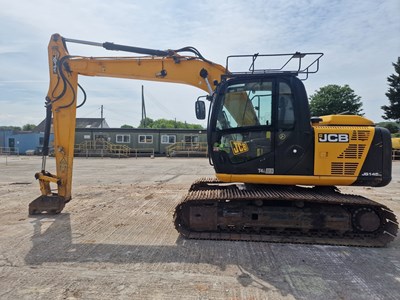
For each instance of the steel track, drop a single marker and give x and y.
(211, 195)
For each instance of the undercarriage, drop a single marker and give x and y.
(284, 214)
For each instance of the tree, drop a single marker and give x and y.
(392, 127)
(392, 111)
(127, 126)
(164, 123)
(146, 123)
(28, 127)
(15, 128)
(335, 99)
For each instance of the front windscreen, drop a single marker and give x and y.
(246, 104)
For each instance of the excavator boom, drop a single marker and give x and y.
(61, 100)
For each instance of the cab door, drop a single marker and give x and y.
(293, 132)
(241, 130)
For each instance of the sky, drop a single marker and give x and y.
(360, 41)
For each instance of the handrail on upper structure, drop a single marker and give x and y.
(294, 63)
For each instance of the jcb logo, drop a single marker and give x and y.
(239, 147)
(333, 138)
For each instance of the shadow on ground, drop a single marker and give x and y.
(304, 271)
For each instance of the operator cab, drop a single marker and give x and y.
(259, 122)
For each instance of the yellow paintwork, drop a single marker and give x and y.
(286, 179)
(348, 120)
(396, 143)
(44, 182)
(341, 158)
(187, 71)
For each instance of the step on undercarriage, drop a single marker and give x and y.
(284, 214)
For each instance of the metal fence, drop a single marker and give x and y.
(187, 149)
(9, 151)
(395, 154)
(107, 149)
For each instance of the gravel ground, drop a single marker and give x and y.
(116, 240)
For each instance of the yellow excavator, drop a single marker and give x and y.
(276, 167)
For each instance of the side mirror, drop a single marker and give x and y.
(200, 110)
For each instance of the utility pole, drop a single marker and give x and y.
(143, 109)
(101, 125)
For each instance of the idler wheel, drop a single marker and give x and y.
(366, 219)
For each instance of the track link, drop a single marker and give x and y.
(284, 214)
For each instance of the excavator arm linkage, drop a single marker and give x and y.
(61, 100)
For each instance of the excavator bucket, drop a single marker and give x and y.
(53, 204)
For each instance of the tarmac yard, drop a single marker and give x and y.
(116, 240)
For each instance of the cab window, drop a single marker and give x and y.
(245, 105)
(286, 118)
